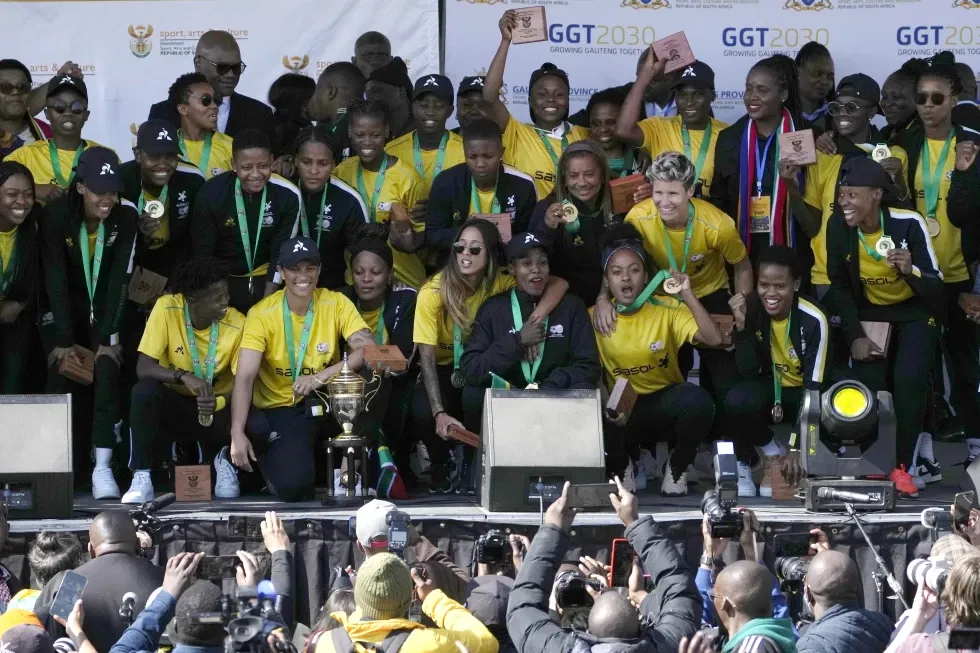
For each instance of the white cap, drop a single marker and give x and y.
(371, 522)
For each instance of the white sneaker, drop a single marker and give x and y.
(672, 487)
(746, 488)
(226, 477)
(104, 486)
(140, 490)
(649, 465)
(629, 478)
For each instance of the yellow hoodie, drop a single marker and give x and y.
(454, 622)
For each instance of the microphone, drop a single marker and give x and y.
(845, 496)
(159, 503)
(128, 606)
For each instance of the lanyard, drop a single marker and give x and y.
(208, 372)
(688, 231)
(7, 274)
(645, 296)
(205, 151)
(319, 217)
(529, 372)
(760, 162)
(623, 166)
(56, 163)
(872, 252)
(440, 157)
(777, 377)
(379, 331)
(91, 270)
(372, 202)
(141, 201)
(703, 152)
(930, 176)
(250, 253)
(457, 345)
(475, 198)
(296, 360)
(547, 144)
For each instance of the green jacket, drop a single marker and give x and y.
(779, 631)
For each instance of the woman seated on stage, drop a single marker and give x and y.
(782, 345)
(289, 349)
(564, 343)
(447, 305)
(883, 269)
(643, 350)
(184, 370)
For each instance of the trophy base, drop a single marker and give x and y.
(342, 500)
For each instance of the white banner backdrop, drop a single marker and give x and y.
(132, 50)
(597, 42)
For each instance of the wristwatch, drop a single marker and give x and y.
(708, 561)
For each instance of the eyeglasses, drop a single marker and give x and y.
(922, 99)
(475, 250)
(77, 107)
(844, 109)
(7, 88)
(207, 99)
(225, 68)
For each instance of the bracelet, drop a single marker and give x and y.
(438, 413)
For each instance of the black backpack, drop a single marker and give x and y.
(342, 643)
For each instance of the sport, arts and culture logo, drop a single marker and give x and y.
(646, 4)
(295, 64)
(967, 4)
(808, 5)
(141, 45)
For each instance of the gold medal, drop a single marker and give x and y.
(568, 211)
(932, 224)
(672, 286)
(205, 420)
(457, 379)
(154, 209)
(880, 153)
(884, 245)
(777, 413)
(531, 386)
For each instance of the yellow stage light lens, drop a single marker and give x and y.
(850, 402)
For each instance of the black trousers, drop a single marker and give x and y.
(749, 408)
(157, 410)
(960, 344)
(681, 413)
(285, 444)
(469, 413)
(719, 372)
(17, 347)
(907, 372)
(239, 296)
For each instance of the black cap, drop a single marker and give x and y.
(860, 86)
(61, 82)
(157, 137)
(548, 69)
(395, 73)
(438, 85)
(867, 173)
(98, 168)
(698, 75)
(488, 600)
(468, 84)
(295, 250)
(520, 244)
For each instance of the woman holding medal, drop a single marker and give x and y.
(643, 350)
(447, 305)
(185, 375)
(200, 142)
(883, 268)
(389, 187)
(290, 348)
(782, 347)
(20, 251)
(88, 238)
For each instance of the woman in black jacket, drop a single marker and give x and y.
(883, 268)
(88, 238)
(19, 255)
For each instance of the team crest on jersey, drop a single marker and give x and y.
(230, 222)
(656, 346)
(322, 347)
(112, 238)
(268, 218)
(696, 257)
(325, 217)
(69, 242)
(183, 206)
(792, 352)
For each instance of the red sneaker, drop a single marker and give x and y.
(904, 484)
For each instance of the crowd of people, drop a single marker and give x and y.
(226, 272)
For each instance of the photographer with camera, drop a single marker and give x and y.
(670, 612)
(500, 554)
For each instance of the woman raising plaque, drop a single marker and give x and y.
(289, 349)
(643, 351)
(447, 305)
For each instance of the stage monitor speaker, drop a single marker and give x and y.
(534, 441)
(36, 480)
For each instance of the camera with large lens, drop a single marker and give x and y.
(718, 503)
(791, 568)
(398, 523)
(492, 547)
(933, 572)
(570, 590)
(248, 617)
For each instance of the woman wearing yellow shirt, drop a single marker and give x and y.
(200, 141)
(184, 369)
(290, 348)
(444, 313)
(390, 188)
(643, 350)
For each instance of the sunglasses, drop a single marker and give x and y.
(225, 68)
(9, 89)
(922, 99)
(77, 107)
(207, 99)
(475, 250)
(845, 109)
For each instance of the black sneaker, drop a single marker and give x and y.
(927, 471)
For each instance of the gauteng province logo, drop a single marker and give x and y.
(807, 5)
(141, 45)
(967, 4)
(646, 4)
(295, 64)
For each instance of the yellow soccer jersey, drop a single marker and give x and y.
(784, 356)
(36, 157)
(219, 160)
(666, 135)
(7, 241)
(402, 147)
(525, 149)
(948, 244)
(882, 283)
